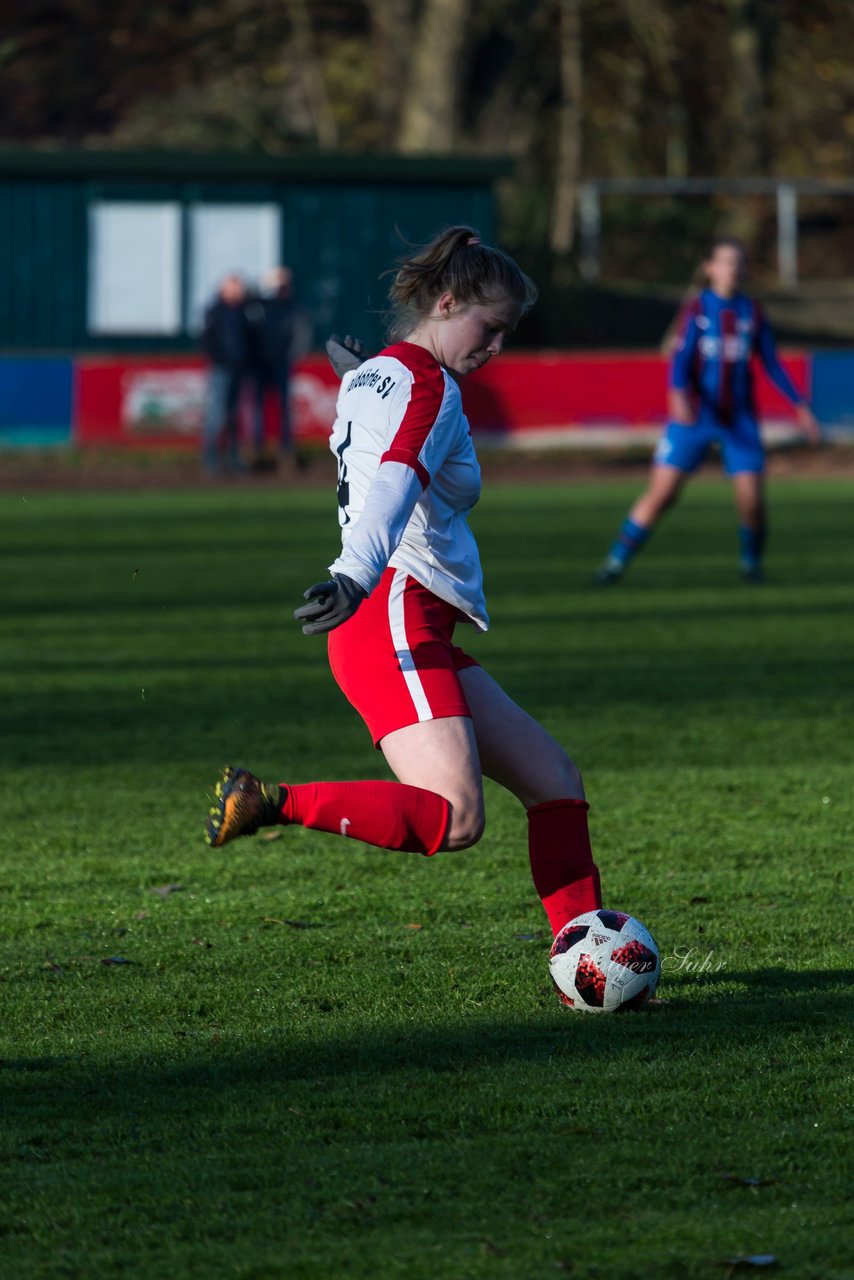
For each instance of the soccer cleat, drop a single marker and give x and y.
(609, 572)
(242, 804)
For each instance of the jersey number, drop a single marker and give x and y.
(343, 479)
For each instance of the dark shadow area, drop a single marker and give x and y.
(777, 1001)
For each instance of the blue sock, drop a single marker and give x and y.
(750, 544)
(631, 538)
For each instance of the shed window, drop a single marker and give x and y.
(135, 271)
(241, 238)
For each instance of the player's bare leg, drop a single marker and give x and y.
(442, 756)
(749, 490)
(665, 485)
(522, 756)
(515, 750)
(663, 489)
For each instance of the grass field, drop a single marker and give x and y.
(312, 1059)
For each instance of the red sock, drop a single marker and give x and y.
(565, 875)
(389, 814)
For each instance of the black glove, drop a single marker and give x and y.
(345, 354)
(330, 604)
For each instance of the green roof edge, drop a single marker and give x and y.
(317, 166)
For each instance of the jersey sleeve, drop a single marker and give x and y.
(765, 348)
(388, 507)
(685, 348)
(420, 437)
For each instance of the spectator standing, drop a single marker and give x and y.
(226, 342)
(281, 333)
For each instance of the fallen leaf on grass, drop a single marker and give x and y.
(53, 964)
(141, 915)
(116, 960)
(694, 901)
(748, 1260)
(294, 924)
(276, 834)
(413, 926)
(736, 1180)
(200, 942)
(163, 890)
(494, 1250)
(296, 1111)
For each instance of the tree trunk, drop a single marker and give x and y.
(568, 169)
(749, 133)
(391, 39)
(652, 25)
(310, 67)
(429, 115)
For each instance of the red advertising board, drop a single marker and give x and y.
(529, 397)
(160, 401)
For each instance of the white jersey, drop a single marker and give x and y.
(408, 476)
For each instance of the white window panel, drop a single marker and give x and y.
(244, 239)
(134, 267)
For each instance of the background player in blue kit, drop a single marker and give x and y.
(710, 400)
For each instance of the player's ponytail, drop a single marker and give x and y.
(457, 262)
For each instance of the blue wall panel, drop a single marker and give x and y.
(833, 388)
(36, 398)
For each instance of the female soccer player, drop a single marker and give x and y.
(711, 399)
(408, 572)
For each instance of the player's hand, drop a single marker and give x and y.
(809, 424)
(329, 604)
(679, 407)
(345, 353)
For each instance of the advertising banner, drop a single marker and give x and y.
(526, 399)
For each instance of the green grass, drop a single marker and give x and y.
(365, 1098)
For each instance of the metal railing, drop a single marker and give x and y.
(785, 191)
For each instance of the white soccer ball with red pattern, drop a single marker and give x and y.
(604, 962)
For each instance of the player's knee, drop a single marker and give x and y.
(566, 782)
(466, 825)
(556, 779)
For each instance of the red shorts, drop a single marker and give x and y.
(394, 660)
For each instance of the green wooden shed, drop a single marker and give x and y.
(110, 251)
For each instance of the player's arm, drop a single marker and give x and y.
(679, 406)
(401, 478)
(388, 506)
(765, 348)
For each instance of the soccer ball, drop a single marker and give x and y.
(604, 961)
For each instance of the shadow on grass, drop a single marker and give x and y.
(774, 1004)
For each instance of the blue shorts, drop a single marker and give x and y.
(686, 447)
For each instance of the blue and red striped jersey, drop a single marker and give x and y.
(717, 340)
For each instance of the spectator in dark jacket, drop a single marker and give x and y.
(226, 342)
(281, 333)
